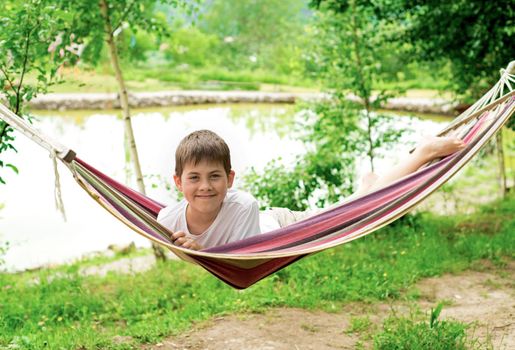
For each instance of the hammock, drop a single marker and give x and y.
(243, 263)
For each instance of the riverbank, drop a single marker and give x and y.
(102, 101)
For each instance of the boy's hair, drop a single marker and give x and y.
(202, 145)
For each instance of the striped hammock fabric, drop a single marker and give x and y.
(243, 263)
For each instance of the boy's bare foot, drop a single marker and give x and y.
(434, 147)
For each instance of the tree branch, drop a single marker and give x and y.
(123, 16)
(24, 69)
(4, 130)
(11, 84)
(361, 77)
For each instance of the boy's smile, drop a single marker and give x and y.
(204, 186)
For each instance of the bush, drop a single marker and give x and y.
(192, 47)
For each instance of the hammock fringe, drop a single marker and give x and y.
(58, 197)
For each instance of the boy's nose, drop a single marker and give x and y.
(205, 185)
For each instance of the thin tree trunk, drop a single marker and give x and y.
(502, 169)
(364, 91)
(124, 103)
(369, 136)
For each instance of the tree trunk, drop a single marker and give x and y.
(365, 93)
(502, 169)
(124, 103)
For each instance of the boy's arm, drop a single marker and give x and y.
(248, 222)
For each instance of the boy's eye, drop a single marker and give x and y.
(215, 176)
(193, 178)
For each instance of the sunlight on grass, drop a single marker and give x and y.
(163, 78)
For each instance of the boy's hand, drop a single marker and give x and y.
(180, 239)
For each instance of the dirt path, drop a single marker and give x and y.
(483, 299)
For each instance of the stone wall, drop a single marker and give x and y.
(100, 101)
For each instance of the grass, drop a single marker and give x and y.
(407, 333)
(416, 330)
(214, 78)
(164, 78)
(101, 258)
(359, 324)
(423, 82)
(68, 311)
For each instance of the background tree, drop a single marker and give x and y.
(255, 34)
(106, 22)
(34, 43)
(346, 53)
(349, 56)
(189, 46)
(475, 37)
(324, 173)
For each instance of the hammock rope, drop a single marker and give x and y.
(243, 263)
(58, 197)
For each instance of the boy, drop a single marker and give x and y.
(213, 214)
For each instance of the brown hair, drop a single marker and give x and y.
(202, 145)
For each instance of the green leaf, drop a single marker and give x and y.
(15, 169)
(433, 323)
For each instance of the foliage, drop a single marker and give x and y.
(243, 35)
(344, 127)
(33, 40)
(324, 174)
(475, 36)
(465, 42)
(190, 46)
(136, 25)
(349, 53)
(511, 123)
(4, 247)
(404, 333)
(196, 38)
(60, 308)
(136, 46)
(255, 34)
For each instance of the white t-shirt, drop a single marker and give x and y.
(238, 219)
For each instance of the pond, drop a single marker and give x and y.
(37, 233)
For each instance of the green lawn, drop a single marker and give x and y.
(59, 309)
(163, 78)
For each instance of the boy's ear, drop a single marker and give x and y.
(230, 178)
(178, 182)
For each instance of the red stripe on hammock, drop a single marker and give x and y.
(145, 202)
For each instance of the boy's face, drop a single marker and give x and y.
(204, 186)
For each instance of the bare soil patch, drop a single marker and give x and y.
(484, 299)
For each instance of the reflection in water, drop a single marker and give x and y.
(35, 230)
(264, 119)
